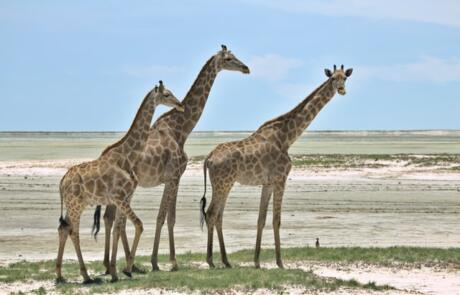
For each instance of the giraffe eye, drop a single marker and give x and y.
(228, 59)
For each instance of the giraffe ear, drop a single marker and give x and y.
(328, 72)
(348, 72)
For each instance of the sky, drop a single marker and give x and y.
(86, 65)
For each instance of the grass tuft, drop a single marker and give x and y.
(243, 277)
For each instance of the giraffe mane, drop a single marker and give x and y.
(188, 95)
(123, 139)
(300, 106)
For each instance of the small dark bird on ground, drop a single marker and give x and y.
(317, 243)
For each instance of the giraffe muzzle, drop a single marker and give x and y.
(179, 107)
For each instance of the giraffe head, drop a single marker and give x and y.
(166, 97)
(338, 78)
(227, 61)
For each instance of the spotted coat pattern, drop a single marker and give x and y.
(164, 160)
(261, 159)
(108, 180)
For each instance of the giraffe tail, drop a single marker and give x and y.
(62, 221)
(97, 222)
(203, 199)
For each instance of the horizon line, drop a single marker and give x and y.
(240, 131)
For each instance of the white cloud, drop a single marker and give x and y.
(428, 69)
(443, 12)
(272, 67)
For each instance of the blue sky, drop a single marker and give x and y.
(68, 66)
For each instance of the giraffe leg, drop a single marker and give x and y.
(220, 191)
(63, 231)
(171, 222)
(220, 235)
(109, 217)
(75, 237)
(115, 238)
(162, 212)
(277, 202)
(210, 225)
(211, 216)
(124, 241)
(139, 229)
(127, 211)
(264, 201)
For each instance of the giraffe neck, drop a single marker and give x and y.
(288, 127)
(181, 124)
(127, 151)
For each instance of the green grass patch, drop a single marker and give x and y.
(366, 160)
(373, 160)
(454, 168)
(190, 277)
(210, 281)
(378, 256)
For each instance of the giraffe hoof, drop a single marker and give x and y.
(60, 280)
(257, 265)
(114, 279)
(211, 265)
(87, 281)
(175, 267)
(92, 281)
(97, 281)
(155, 267)
(127, 273)
(280, 265)
(227, 265)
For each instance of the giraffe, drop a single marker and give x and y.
(164, 160)
(262, 159)
(109, 180)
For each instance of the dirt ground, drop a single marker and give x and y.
(437, 280)
(354, 207)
